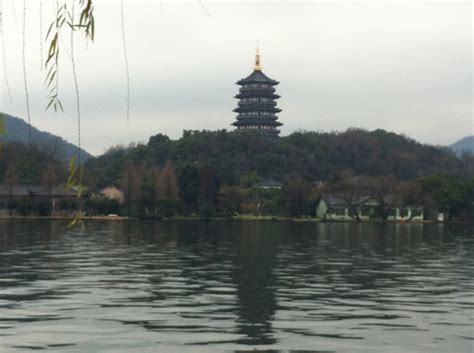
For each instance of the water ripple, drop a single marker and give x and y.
(235, 287)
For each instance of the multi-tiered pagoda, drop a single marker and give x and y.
(257, 109)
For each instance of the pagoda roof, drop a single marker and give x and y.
(255, 93)
(256, 121)
(257, 76)
(256, 107)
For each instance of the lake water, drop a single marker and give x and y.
(236, 287)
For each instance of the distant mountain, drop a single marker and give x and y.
(465, 144)
(16, 130)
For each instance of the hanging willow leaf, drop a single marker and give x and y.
(49, 104)
(86, 25)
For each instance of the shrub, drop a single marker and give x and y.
(43, 207)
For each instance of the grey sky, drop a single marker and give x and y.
(404, 67)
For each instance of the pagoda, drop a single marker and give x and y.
(257, 109)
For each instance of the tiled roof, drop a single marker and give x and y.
(35, 190)
(270, 183)
(257, 76)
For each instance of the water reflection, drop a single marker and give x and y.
(225, 286)
(253, 274)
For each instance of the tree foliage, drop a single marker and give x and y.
(210, 171)
(312, 155)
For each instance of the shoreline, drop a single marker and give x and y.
(243, 218)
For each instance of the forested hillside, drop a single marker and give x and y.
(225, 173)
(311, 155)
(26, 164)
(464, 145)
(17, 130)
(220, 172)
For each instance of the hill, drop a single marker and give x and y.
(463, 145)
(16, 130)
(311, 155)
(27, 165)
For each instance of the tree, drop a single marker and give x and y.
(250, 179)
(132, 184)
(150, 189)
(311, 155)
(27, 170)
(167, 182)
(25, 205)
(386, 190)
(208, 186)
(206, 211)
(168, 206)
(49, 177)
(352, 191)
(294, 196)
(43, 207)
(10, 179)
(167, 191)
(269, 207)
(230, 197)
(448, 192)
(189, 181)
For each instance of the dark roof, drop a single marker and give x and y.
(270, 183)
(257, 76)
(257, 107)
(242, 121)
(35, 190)
(336, 201)
(254, 92)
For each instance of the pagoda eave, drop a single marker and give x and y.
(256, 123)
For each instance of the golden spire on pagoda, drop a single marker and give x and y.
(257, 67)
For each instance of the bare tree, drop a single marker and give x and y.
(351, 191)
(132, 184)
(386, 190)
(49, 177)
(167, 182)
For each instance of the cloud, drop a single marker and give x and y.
(399, 66)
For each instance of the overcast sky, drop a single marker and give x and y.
(398, 66)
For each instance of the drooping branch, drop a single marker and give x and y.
(52, 62)
(85, 24)
(76, 87)
(86, 19)
(204, 8)
(5, 71)
(25, 79)
(14, 15)
(126, 61)
(41, 32)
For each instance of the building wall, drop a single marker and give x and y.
(324, 211)
(113, 193)
(407, 214)
(321, 209)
